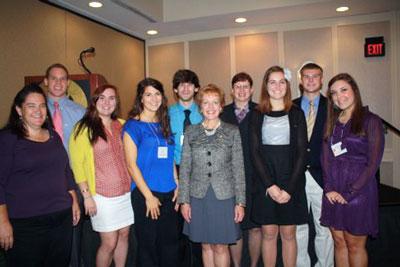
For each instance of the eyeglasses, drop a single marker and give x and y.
(245, 87)
(314, 76)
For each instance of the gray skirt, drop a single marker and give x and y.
(212, 220)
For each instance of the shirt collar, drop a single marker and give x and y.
(305, 100)
(60, 101)
(246, 107)
(193, 107)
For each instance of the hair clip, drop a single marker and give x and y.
(288, 74)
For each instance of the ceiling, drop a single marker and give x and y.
(178, 17)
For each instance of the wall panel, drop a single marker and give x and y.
(371, 74)
(308, 45)
(254, 54)
(164, 61)
(210, 59)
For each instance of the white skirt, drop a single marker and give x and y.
(113, 213)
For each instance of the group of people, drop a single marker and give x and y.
(192, 177)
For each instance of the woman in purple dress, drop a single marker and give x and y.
(352, 152)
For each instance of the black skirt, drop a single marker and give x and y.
(265, 210)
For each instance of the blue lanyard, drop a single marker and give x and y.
(155, 134)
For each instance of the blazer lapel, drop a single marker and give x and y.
(230, 114)
(320, 115)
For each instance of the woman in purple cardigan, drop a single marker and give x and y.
(38, 203)
(351, 154)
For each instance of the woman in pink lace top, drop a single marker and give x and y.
(98, 163)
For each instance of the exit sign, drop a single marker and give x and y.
(374, 47)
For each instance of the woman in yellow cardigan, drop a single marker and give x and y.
(98, 163)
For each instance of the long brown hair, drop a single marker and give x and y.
(92, 121)
(334, 112)
(162, 112)
(265, 104)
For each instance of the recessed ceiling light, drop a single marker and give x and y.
(342, 9)
(152, 32)
(95, 4)
(240, 20)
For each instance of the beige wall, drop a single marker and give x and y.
(210, 59)
(372, 74)
(35, 35)
(335, 48)
(163, 61)
(308, 45)
(254, 54)
(336, 44)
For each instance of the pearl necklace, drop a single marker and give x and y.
(211, 131)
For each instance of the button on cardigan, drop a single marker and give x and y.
(215, 161)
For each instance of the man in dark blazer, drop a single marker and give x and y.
(238, 113)
(313, 103)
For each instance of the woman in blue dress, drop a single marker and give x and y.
(149, 150)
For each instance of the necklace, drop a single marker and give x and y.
(210, 131)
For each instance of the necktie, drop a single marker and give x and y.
(310, 119)
(241, 115)
(186, 122)
(57, 120)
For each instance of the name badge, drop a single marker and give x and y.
(337, 149)
(181, 139)
(162, 152)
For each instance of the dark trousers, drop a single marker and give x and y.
(76, 245)
(190, 253)
(157, 240)
(41, 241)
(90, 242)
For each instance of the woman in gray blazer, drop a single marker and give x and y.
(212, 182)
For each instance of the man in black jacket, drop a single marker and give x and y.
(313, 103)
(238, 113)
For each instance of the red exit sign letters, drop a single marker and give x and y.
(374, 47)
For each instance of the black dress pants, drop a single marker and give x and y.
(157, 240)
(41, 241)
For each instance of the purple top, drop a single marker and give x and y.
(35, 177)
(352, 174)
